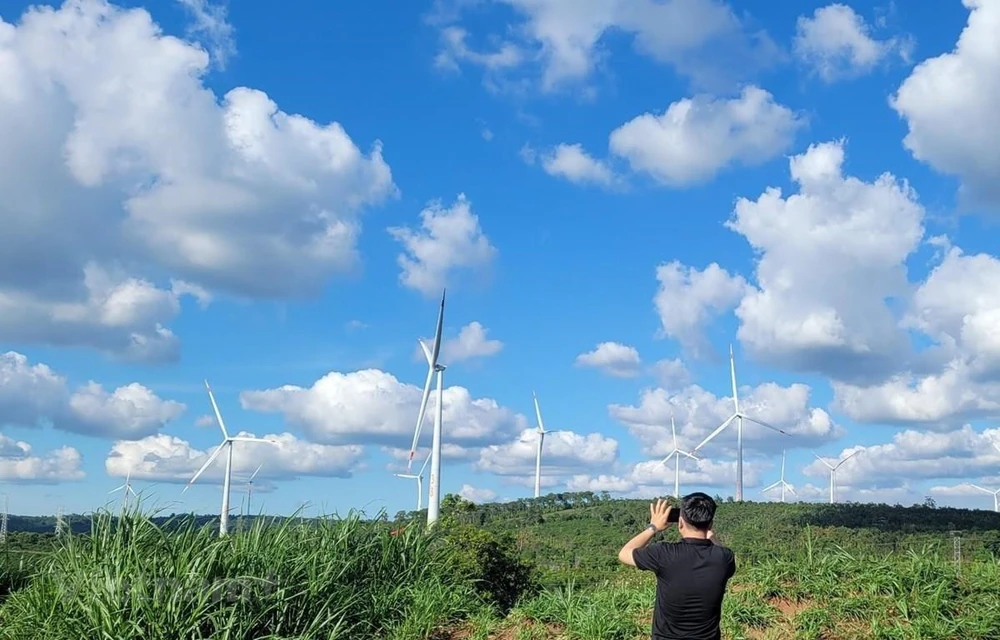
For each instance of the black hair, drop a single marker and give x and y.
(698, 510)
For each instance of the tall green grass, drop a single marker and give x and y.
(336, 579)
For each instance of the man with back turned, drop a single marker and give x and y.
(691, 575)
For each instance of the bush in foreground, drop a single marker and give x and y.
(331, 579)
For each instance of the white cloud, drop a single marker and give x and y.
(957, 307)
(837, 43)
(116, 153)
(831, 256)
(652, 478)
(671, 374)
(471, 342)
(944, 94)
(19, 465)
(961, 453)
(33, 395)
(210, 23)
(701, 39)
(372, 406)
(479, 496)
(455, 50)
(564, 453)
(687, 298)
(132, 411)
(571, 162)
(450, 239)
(601, 482)
(695, 138)
(613, 358)
(170, 459)
(698, 412)
(205, 421)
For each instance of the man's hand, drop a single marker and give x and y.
(659, 513)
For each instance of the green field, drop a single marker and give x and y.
(531, 569)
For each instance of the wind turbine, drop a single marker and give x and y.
(250, 486)
(540, 430)
(433, 366)
(739, 416)
(833, 471)
(126, 489)
(676, 454)
(419, 477)
(780, 483)
(227, 444)
(996, 496)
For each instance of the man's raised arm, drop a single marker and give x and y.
(659, 512)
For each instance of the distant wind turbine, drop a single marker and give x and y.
(419, 477)
(780, 483)
(739, 416)
(126, 489)
(833, 472)
(433, 366)
(996, 496)
(676, 455)
(250, 487)
(227, 444)
(540, 430)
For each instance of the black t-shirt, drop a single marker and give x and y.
(691, 578)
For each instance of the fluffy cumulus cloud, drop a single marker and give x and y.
(167, 458)
(449, 241)
(697, 412)
(654, 478)
(697, 137)
(945, 93)
(558, 44)
(958, 454)
(117, 156)
(372, 406)
(830, 258)
(479, 496)
(32, 395)
(836, 43)
(470, 343)
(18, 463)
(957, 307)
(613, 358)
(687, 298)
(571, 162)
(564, 453)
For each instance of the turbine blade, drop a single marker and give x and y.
(420, 415)
(218, 415)
(976, 486)
(771, 486)
(117, 489)
(789, 487)
(437, 332)
(673, 430)
(254, 474)
(669, 456)
(823, 461)
(424, 466)
(538, 412)
(715, 433)
(211, 459)
(766, 425)
(427, 352)
(732, 375)
(249, 439)
(853, 453)
(690, 455)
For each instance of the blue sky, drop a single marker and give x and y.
(166, 231)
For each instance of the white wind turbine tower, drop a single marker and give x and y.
(227, 444)
(540, 430)
(433, 366)
(126, 489)
(833, 472)
(739, 417)
(780, 483)
(419, 477)
(996, 496)
(676, 454)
